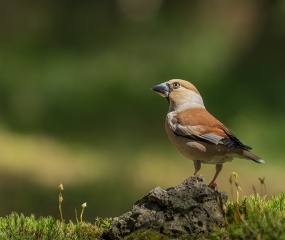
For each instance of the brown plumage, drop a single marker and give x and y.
(197, 134)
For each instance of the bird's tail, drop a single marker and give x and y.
(251, 156)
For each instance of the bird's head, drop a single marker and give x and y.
(180, 94)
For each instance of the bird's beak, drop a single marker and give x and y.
(162, 89)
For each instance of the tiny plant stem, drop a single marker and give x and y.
(232, 190)
(254, 190)
(60, 211)
(59, 206)
(81, 215)
(262, 186)
(238, 188)
(265, 189)
(60, 199)
(76, 216)
(84, 205)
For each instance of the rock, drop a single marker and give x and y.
(188, 209)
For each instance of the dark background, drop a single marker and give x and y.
(76, 104)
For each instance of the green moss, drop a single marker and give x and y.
(254, 218)
(17, 226)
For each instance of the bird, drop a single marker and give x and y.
(197, 134)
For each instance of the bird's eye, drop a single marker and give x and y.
(176, 84)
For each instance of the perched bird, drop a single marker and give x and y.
(197, 134)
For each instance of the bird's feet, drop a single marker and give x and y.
(212, 185)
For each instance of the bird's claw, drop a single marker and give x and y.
(212, 185)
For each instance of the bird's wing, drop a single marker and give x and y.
(201, 125)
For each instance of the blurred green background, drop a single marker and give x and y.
(76, 105)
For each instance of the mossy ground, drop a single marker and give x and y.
(253, 217)
(17, 226)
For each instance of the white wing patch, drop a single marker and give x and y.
(211, 137)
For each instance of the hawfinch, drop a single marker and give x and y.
(195, 132)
